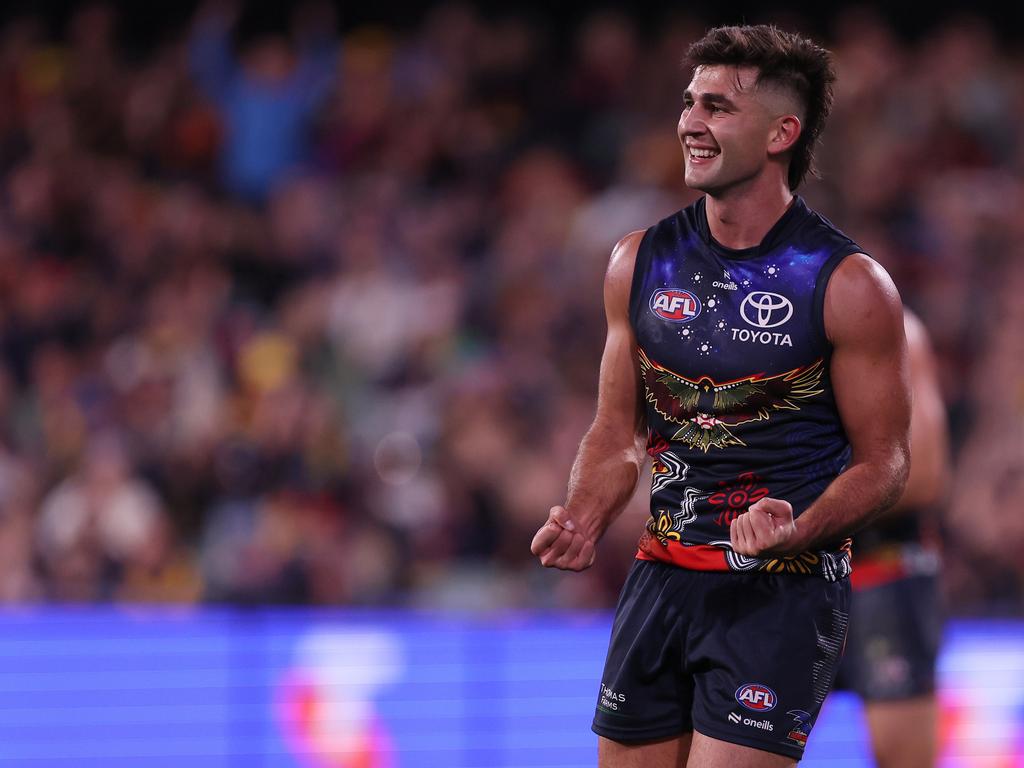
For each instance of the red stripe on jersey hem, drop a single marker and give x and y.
(695, 557)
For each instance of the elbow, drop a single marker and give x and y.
(900, 473)
(615, 438)
(891, 469)
(640, 448)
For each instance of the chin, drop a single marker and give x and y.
(701, 185)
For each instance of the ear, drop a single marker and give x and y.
(784, 134)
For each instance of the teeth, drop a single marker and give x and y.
(703, 152)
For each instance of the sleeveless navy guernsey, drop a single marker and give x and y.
(735, 367)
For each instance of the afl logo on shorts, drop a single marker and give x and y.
(675, 305)
(759, 698)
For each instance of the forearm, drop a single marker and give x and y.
(603, 477)
(608, 462)
(855, 498)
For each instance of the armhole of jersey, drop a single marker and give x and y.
(821, 285)
(643, 258)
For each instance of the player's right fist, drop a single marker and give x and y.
(559, 544)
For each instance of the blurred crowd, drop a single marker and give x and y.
(314, 316)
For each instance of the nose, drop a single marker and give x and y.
(691, 122)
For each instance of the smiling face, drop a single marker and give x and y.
(731, 130)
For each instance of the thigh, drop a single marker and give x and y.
(707, 752)
(663, 753)
(644, 693)
(764, 657)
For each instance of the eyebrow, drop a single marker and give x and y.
(711, 98)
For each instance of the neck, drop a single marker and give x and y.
(741, 219)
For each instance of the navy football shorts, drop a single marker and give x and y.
(895, 630)
(741, 657)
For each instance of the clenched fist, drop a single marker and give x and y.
(764, 529)
(559, 544)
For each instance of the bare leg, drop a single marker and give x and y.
(664, 753)
(903, 733)
(707, 752)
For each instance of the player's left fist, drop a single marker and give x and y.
(766, 528)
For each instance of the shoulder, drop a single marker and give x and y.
(861, 298)
(623, 257)
(860, 276)
(618, 279)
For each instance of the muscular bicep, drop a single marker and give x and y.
(870, 371)
(619, 401)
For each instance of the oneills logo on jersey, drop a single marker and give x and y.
(675, 305)
(726, 283)
(705, 409)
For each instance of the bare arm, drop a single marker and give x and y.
(929, 431)
(608, 463)
(871, 382)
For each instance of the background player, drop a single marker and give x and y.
(895, 620)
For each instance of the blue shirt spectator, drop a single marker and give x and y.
(266, 98)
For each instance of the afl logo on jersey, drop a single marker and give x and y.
(762, 309)
(675, 305)
(757, 697)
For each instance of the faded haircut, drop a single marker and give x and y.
(786, 61)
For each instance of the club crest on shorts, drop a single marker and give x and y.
(756, 697)
(675, 305)
(802, 727)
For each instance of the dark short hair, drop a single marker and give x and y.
(783, 59)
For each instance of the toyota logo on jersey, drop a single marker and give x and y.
(675, 305)
(762, 309)
(757, 697)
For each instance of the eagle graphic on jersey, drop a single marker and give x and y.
(706, 409)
